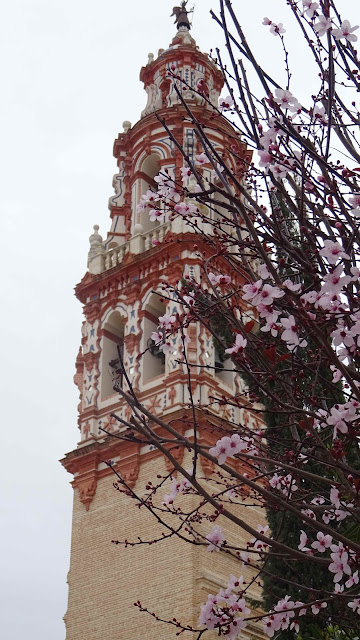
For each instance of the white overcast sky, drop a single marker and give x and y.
(69, 73)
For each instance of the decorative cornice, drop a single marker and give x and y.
(92, 309)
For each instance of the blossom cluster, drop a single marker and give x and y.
(225, 611)
(177, 486)
(297, 249)
(229, 446)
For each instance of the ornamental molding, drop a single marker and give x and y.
(178, 454)
(87, 490)
(132, 342)
(91, 359)
(92, 311)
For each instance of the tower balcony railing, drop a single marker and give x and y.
(100, 260)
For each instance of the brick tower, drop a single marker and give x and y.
(121, 309)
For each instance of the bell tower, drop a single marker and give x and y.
(119, 294)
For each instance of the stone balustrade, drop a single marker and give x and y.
(101, 260)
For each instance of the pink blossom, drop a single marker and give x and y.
(286, 99)
(220, 279)
(336, 420)
(333, 251)
(222, 449)
(333, 282)
(316, 608)
(189, 300)
(235, 627)
(167, 187)
(226, 103)
(342, 335)
(235, 583)
(266, 21)
(308, 513)
(286, 484)
(327, 516)
(228, 447)
(289, 284)
(277, 29)
(279, 170)
(355, 605)
(320, 114)
(268, 312)
(272, 327)
(338, 588)
(345, 31)
(271, 624)
(157, 337)
(251, 290)
(339, 566)
(265, 158)
(335, 496)
(156, 214)
(177, 486)
(354, 579)
(323, 542)
(184, 209)
(149, 198)
(267, 295)
(322, 26)
(295, 626)
(337, 375)
(310, 7)
(263, 271)
(225, 610)
(215, 539)
(185, 173)
(239, 346)
(201, 159)
(285, 607)
(290, 335)
(166, 347)
(166, 321)
(303, 541)
(354, 200)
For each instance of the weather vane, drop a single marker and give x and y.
(181, 15)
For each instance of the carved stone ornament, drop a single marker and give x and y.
(132, 342)
(92, 311)
(87, 490)
(90, 359)
(178, 454)
(208, 466)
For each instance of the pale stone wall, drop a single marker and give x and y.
(172, 578)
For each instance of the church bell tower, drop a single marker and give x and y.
(121, 308)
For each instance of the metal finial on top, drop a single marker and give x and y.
(181, 15)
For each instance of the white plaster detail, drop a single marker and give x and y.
(95, 262)
(126, 125)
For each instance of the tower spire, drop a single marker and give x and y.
(181, 15)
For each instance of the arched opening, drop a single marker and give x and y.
(223, 367)
(151, 167)
(153, 359)
(112, 344)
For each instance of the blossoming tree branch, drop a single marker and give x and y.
(279, 295)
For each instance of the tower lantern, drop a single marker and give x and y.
(121, 308)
